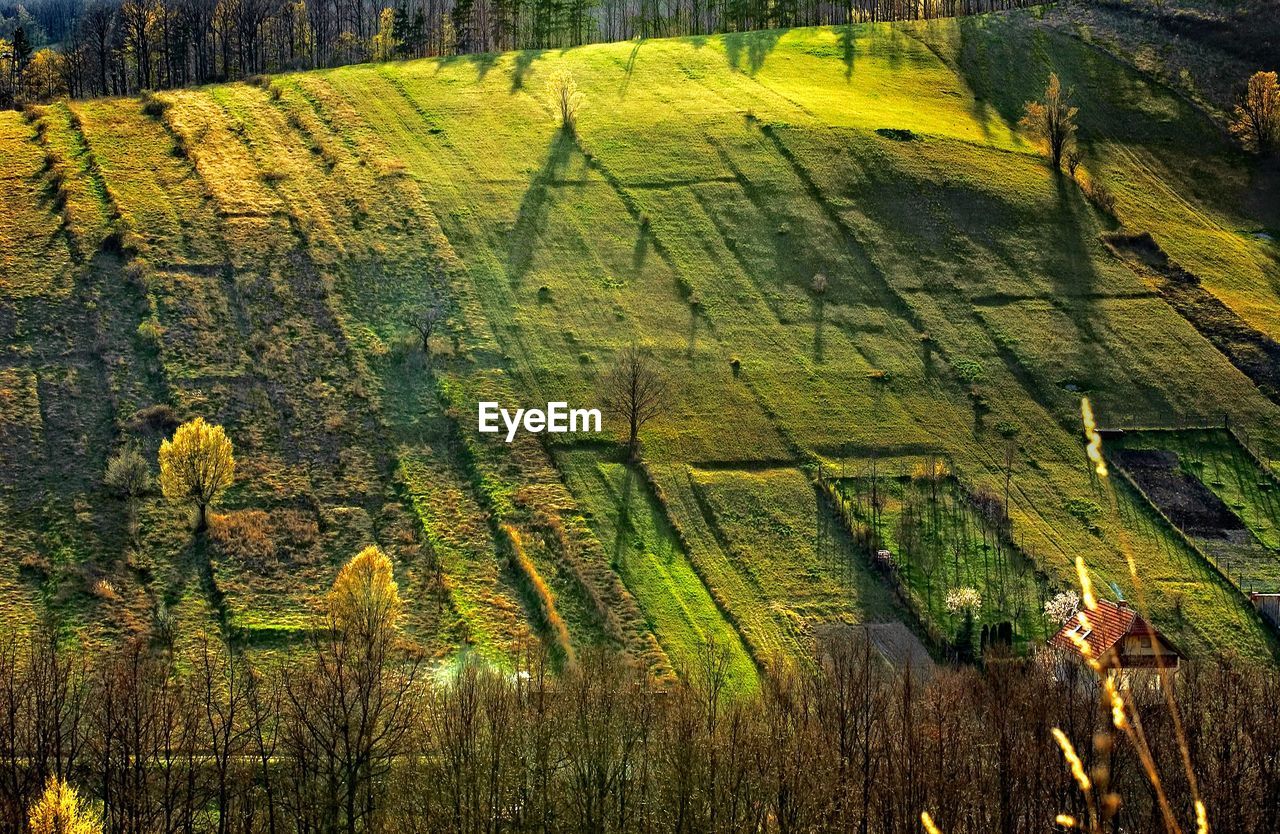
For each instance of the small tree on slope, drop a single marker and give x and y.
(196, 466)
(1052, 121)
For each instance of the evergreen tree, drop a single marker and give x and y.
(22, 50)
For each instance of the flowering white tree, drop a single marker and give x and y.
(1062, 607)
(963, 600)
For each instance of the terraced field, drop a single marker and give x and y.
(253, 254)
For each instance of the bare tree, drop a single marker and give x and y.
(427, 321)
(636, 391)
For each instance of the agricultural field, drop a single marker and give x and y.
(1216, 491)
(933, 538)
(835, 243)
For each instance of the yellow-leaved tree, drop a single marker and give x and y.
(196, 466)
(364, 602)
(60, 810)
(1052, 121)
(1257, 116)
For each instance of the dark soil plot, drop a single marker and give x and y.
(1256, 354)
(1182, 498)
(1214, 489)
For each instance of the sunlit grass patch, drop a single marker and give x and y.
(779, 538)
(647, 553)
(34, 258)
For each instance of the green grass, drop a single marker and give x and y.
(275, 245)
(939, 541)
(1216, 459)
(788, 550)
(648, 555)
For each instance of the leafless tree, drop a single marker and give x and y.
(636, 391)
(427, 321)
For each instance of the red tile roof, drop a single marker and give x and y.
(1109, 623)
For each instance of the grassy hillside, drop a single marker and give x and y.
(252, 254)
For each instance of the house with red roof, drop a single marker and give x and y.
(1117, 635)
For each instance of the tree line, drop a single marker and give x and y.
(120, 47)
(351, 729)
(352, 736)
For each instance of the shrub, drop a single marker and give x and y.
(1072, 159)
(930, 470)
(1099, 195)
(566, 99)
(969, 370)
(1086, 512)
(151, 333)
(963, 600)
(105, 591)
(128, 475)
(1062, 607)
(152, 105)
(60, 810)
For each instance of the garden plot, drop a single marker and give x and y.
(1211, 488)
(937, 541)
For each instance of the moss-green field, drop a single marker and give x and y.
(253, 254)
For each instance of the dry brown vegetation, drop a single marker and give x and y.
(167, 741)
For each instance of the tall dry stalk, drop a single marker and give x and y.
(1102, 804)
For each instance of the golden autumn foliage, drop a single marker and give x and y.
(1052, 121)
(196, 465)
(1257, 117)
(364, 602)
(60, 810)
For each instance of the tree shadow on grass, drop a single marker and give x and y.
(848, 49)
(481, 61)
(534, 207)
(640, 252)
(691, 349)
(1075, 278)
(750, 47)
(630, 68)
(819, 330)
(524, 62)
(624, 526)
